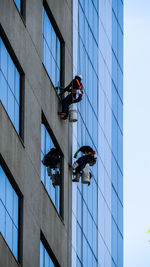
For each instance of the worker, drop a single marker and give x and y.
(52, 161)
(52, 158)
(89, 156)
(76, 93)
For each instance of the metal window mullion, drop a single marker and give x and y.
(12, 219)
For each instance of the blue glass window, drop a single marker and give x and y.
(120, 250)
(120, 83)
(120, 185)
(9, 86)
(79, 241)
(114, 173)
(114, 101)
(114, 69)
(115, 6)
(18, 4)
(114, 205)
(114, 33)
(120, 113)
(9, 202)
(120, 149)
(53, 191)
(120, 217)
(45, 259)
(114, 136)
(120, 13)
(51, 50)
(120, 47)
(114, 242)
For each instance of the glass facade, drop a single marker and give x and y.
(18, 4)
(45, 260)
(97, 210)
(117, 133)
(46, 145)
(9, 86)
(9, 202)
(51, 50)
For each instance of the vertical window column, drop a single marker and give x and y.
(9, 86)
(9, 213)
(51, 50)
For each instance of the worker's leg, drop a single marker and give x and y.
(66, 102)
(81, 162)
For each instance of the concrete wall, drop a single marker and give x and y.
(23, 159)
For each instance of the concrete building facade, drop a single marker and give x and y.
(35, 220)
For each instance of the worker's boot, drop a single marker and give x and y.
(76, 178)
(62, 114)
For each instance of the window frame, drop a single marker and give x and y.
(20, 209)
(61, 197)
(22, 84)
(62, 44)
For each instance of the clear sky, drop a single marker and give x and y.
(136, 133)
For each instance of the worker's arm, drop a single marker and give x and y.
(66, 89)
(75, 155)
(69, 87)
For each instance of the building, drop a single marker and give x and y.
(35, 55)
(43, 44)
(97, 211)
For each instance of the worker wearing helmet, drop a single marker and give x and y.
(52, 158)
(89, 156)
(76, 93)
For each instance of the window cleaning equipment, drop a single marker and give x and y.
(86, 175)
(73, 115)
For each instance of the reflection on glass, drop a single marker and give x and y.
(8, 213)
(45, 259)
(9, 86)
(51, 50)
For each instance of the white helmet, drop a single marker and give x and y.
(80, 76)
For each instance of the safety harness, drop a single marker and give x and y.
(79, 90)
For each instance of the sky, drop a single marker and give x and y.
(136, 133)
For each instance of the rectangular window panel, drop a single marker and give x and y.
(9, 86)
(45, 259)
(51, 50)
(9, 202)
(49, 178)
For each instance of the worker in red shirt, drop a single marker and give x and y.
(76, 93)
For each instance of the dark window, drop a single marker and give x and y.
(51, 176)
